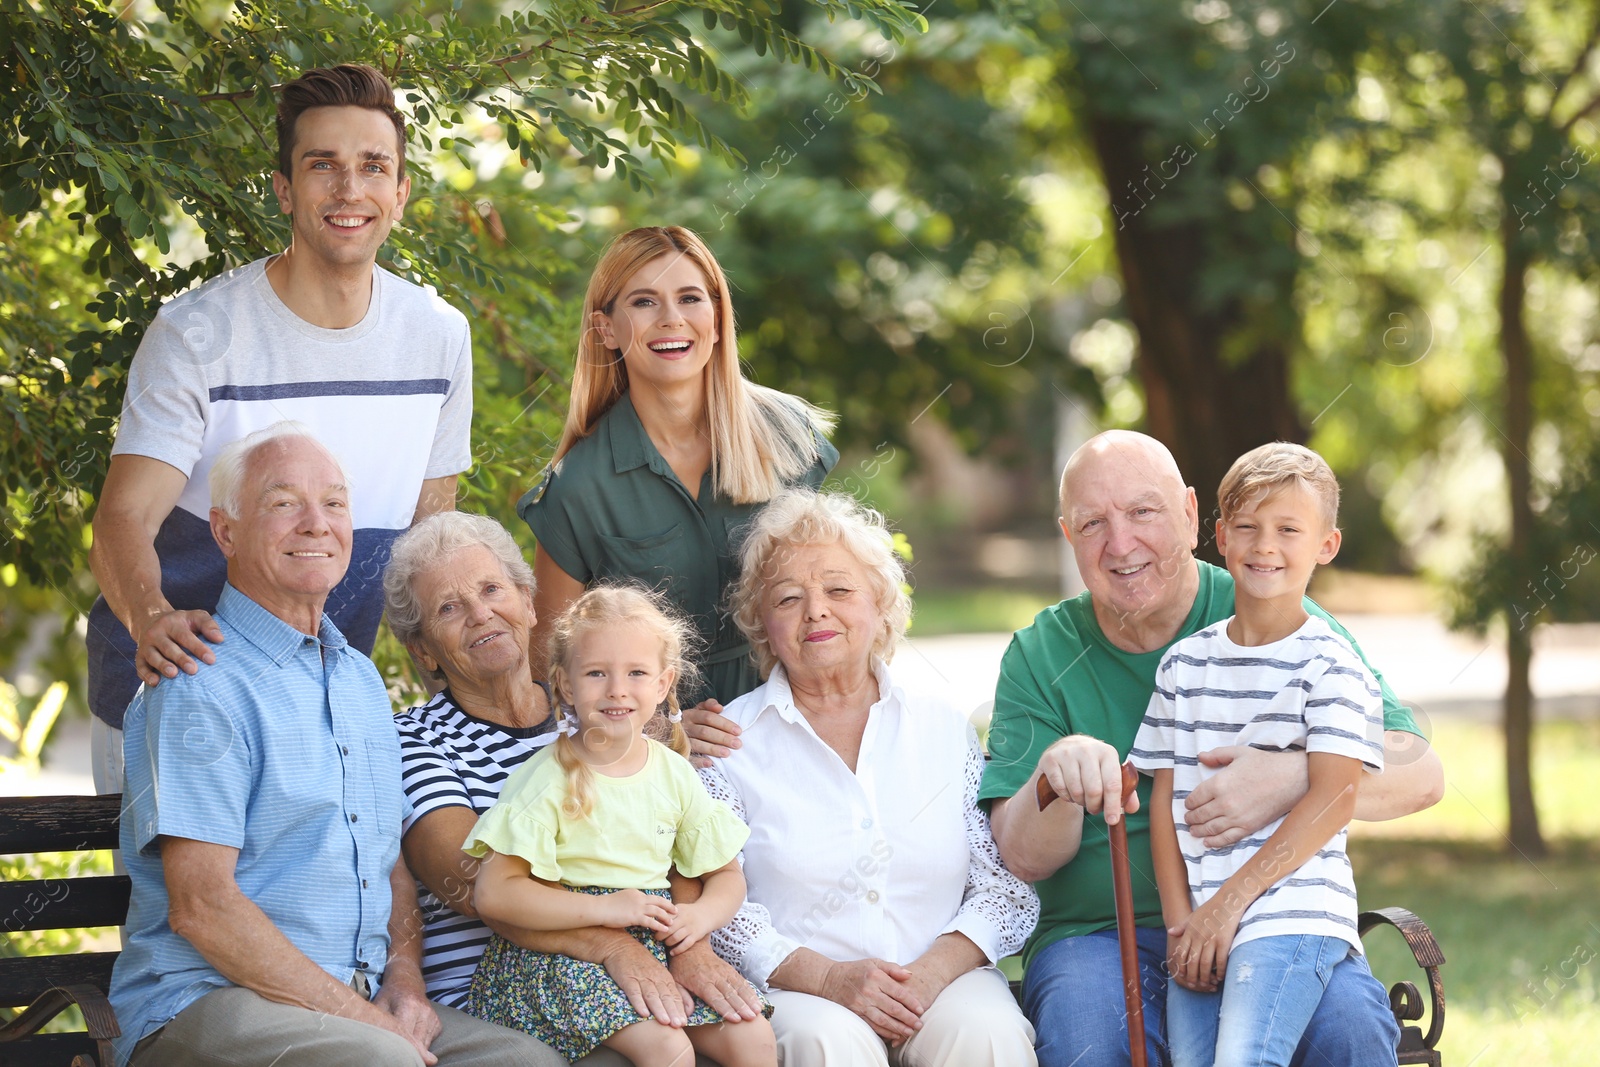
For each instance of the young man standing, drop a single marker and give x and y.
(379, 369)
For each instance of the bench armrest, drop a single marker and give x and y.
(1405, 1000)
(99, 1018)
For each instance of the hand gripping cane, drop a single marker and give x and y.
(1122, 888)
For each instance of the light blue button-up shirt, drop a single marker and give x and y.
(286, 750)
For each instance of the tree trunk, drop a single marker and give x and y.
(1518, 357)
(1206, 407)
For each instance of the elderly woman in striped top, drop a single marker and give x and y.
(878, 904)
(460, 597)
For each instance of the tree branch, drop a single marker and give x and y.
(1587, 109)
(641, 9)
(1576, 69)
(587, 20)
(242, 94)
(253, 128)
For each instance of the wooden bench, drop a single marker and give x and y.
(49, 984)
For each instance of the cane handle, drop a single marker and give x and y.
(1047, 796)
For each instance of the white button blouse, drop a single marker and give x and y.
(875, 862)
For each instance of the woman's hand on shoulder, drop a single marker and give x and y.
(634, 907)
(880, 992)
(710, 734)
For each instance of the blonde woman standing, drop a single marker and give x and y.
(668, 452)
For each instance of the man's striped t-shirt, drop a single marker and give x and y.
(449, 759)
(391, 397)
(1308, 692)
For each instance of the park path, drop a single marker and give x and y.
(1438, 673)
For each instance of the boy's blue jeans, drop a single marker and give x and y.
(1073, 996)
(1272, 989)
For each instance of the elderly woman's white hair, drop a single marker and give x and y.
(226, 480)
(803, 516)
(431, 541)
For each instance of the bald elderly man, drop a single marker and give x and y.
(1072, 691)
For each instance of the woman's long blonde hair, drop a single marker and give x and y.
(601, 607)
(761, 439)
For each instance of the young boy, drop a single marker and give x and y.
(1268, 919)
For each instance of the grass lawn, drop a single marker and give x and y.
(974, 611)
(1521, 938)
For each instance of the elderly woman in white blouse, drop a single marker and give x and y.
(878, 903)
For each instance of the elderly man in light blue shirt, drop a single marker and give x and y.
(272, 921)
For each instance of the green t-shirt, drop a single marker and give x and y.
(1062, 676)
(613, 508)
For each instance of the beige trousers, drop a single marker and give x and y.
(975, 1022)
(235, 1027)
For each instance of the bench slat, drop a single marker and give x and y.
(63, 903)
(23, 978)
(58, 824)
(47, 1050)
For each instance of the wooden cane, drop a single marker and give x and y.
(1122, 890)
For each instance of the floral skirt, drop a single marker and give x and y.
(571, 1005)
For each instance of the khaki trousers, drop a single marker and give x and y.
(235, 1027)
(975, 1022)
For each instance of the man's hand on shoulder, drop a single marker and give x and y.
(1250, 789)
(173, 642)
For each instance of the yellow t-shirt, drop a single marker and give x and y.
(642, 825)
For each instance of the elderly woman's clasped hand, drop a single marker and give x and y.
(880, 992)
(877, 900)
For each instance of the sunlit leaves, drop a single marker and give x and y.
(143, 137)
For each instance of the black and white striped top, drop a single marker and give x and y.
(1309, 692)
(449, 759)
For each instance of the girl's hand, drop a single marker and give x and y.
(634, 907)
(690, 925)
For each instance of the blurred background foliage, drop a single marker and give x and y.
(1223, 221)
(973, 228)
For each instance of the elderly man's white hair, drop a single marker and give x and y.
(227, 473)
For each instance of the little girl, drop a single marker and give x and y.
(584, 835)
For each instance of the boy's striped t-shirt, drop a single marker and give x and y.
(1308, 692)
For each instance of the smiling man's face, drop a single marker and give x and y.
(290, 543)
(347, 189)
(1132, 523)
